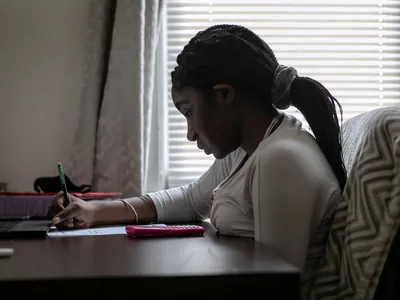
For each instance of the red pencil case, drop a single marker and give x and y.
(141, 231)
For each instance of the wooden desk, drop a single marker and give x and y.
(211, 267)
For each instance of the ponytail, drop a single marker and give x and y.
(318, 106)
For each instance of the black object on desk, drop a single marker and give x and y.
(24, 227)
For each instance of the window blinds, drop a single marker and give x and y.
(350, 46)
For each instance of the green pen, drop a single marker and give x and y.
(63, 185)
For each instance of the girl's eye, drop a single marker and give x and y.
(187, 114)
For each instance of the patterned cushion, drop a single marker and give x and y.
(366, 220)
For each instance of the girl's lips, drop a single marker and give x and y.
(202, 147)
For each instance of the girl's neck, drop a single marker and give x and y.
(254, 125)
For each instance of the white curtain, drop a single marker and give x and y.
(111, 150)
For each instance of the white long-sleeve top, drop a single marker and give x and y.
(284, 196)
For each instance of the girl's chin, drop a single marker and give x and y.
(207, 152)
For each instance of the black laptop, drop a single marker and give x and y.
(24, 227)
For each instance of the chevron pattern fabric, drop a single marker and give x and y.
(367, 218)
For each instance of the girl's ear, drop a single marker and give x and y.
(227, 92)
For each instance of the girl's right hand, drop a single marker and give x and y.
(78, 214)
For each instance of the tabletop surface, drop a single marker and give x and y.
(122, 256)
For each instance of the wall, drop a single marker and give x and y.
(41, 72)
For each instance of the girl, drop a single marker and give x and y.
(271, 180)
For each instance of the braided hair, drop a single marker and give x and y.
(235, 55)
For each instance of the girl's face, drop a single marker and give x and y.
(212, 120)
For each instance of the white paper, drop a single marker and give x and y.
(111, 230)
(90, 231)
